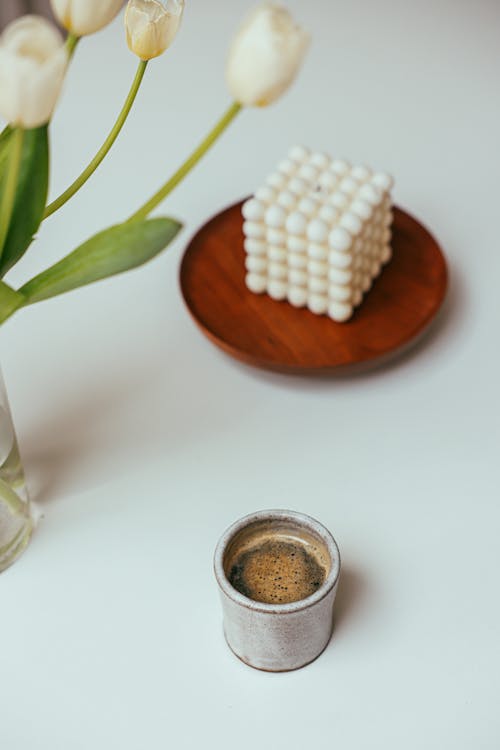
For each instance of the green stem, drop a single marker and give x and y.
(11, 500)
(8, 197)
(106, 146)
(71, 42)
(9, 551)
(195, 157)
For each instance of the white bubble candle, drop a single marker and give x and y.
(318, 233)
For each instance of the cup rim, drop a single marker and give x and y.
(278, 514)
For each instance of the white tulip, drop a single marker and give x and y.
(151, 26)
(265, 56)
(33, 60)
(83, 17)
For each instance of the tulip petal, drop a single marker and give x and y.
(33, 61)
(265, 56)
(151, 27)
(83, 17)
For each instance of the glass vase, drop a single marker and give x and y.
(16, 523)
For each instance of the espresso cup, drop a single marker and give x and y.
(277, 572)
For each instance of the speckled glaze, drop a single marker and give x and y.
(278, 637)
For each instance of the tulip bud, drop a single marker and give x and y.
(83, 17)
(33, 60)
(265, 56)
(152, 25)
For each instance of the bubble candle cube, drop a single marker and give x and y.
(318, 233)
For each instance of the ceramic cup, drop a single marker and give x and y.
(277, 637)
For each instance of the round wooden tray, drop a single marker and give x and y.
(276, 336)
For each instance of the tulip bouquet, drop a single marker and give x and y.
(263, 60)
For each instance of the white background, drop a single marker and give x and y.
(142, 442)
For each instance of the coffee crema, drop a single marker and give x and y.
(276, 568)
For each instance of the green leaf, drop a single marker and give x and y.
(113, 251)
(5, 133)
(31, 194)
(4, 150)
(10, 301)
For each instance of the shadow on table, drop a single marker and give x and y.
(81, 435)
(350, 595)
(117, 423)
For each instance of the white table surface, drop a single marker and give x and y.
(142, 442)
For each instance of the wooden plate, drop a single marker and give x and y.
(276, 336)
